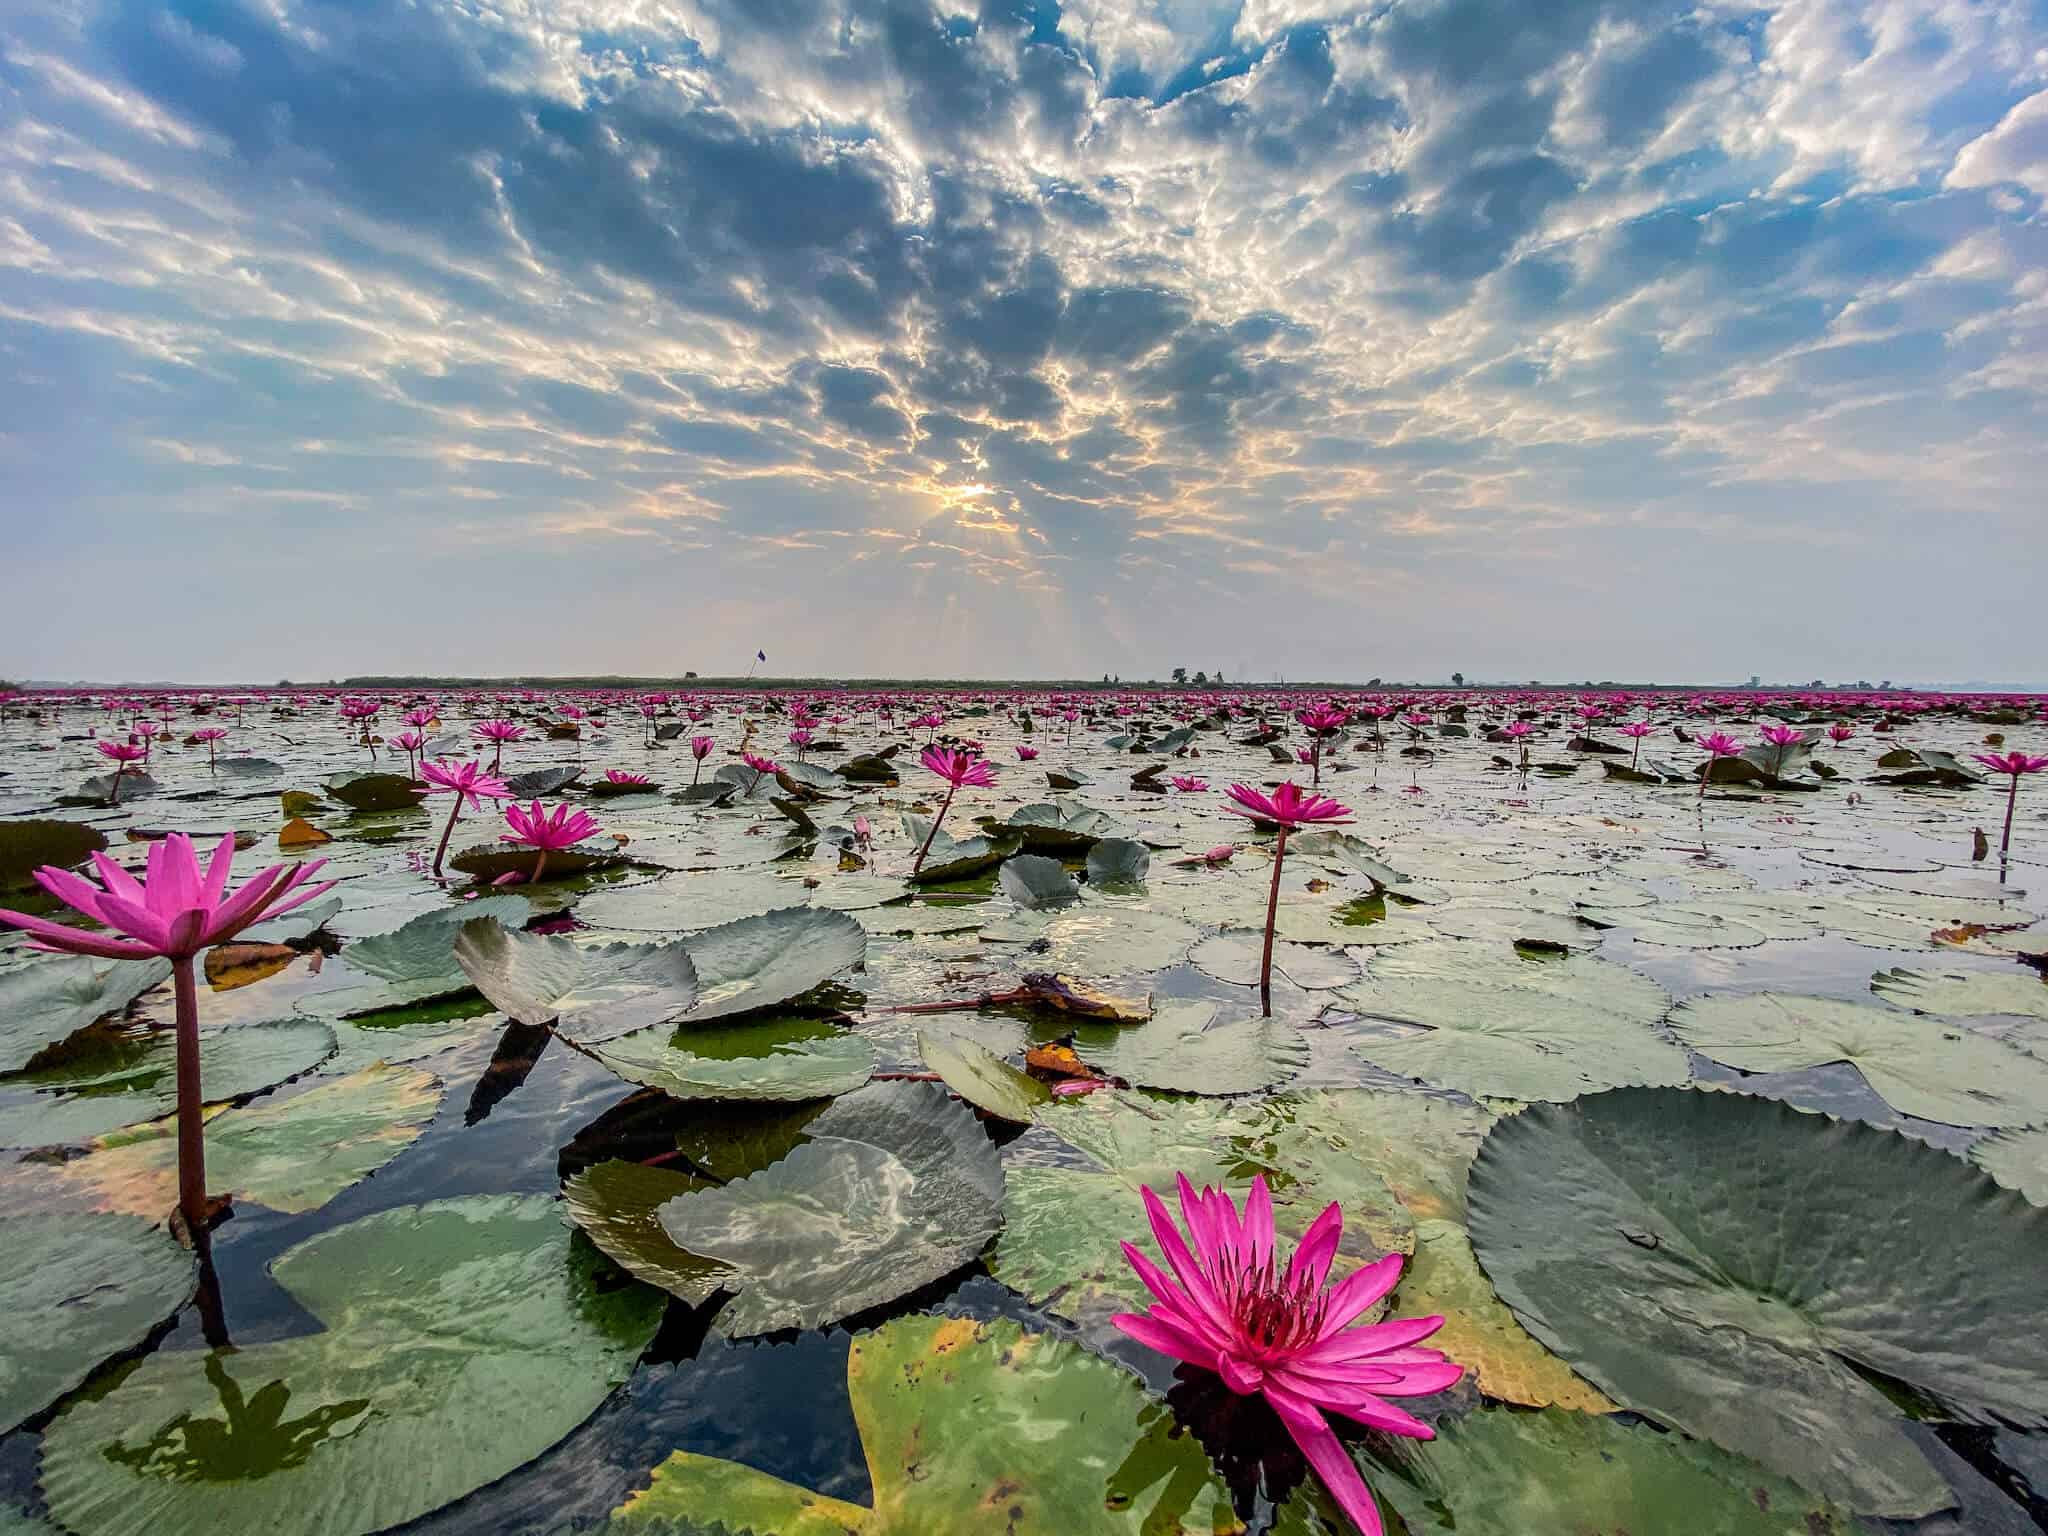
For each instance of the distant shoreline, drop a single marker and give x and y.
(685, 683)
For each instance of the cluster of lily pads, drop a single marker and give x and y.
(1704, 1093)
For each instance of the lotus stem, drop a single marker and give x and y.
(539, 864)
(191, 1124)
(441, 851)
(1272, 912)
(926, 847)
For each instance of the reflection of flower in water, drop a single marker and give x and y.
(252, 1439)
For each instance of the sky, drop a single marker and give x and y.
(1017, 338)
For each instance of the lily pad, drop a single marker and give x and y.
(1717, 1262)
(1036, 883)
(1062, 826)
(77, 1289)
(1117, 863)
(27, 845)
(895, 1187)
(764, 961)
(2018, 1160)
(49, 1000)
(132, 1077)
(588, 992)
(1235, 958)
(618, 1205)
(1183, 1050)
(292, 1155)
(1961, 993)
(769, 1057)
(377, 792)
(460, 1339)
(1917, 1066)
(981, 1077)
(940, 1404)
(1501, 1472)
(416, 960)
(1500, 1025)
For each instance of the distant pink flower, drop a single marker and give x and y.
(121, 751)
(470, 786)
(210, 734)
(1637, 729)
(760, 764)
(1720, 744)
(536, 828)
(174, 911)
(419, 718)
(621, 776)
(956, 768)
(1516, 729)
(1224, 1304)
(497, 733)
(1839, 733)
(1026, 754)
(1188, 785)
(701, 747)
(1289, 806)
(800, 739)
(1783, 735)
(2017, 764)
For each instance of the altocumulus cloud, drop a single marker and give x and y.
(1010, 336)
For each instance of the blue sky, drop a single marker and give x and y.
(1018, 338)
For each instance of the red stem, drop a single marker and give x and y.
(1272, 911)
(441, 852)
(2012, 799)
(191, 1123)
(951, 789)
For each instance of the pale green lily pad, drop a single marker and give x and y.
(2018, 1160)
(1105, 941)
(1513, 925)
(767, 960)
(1963, 993)
(589, 992)
(1118, 863)
(1236, 958)
(1713, 1261)
(48, 1000)
(767, 1057)
(133, 1078)
(942, 1406)
(618, 1205)
(687, 900)
(1503, 1472)
(459, 1340)
(417, 961)
(1062, 1226)
(74, 1290)
(981, 1077)
(1917, 1066)
(292, 1154)
(1677, 926)
(1499, 1025)
(1182, 1049)
(1036, 883)
(895, 1187)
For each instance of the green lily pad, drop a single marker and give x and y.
(1964, 992)
(1499, 1025)
(683, 902)
(1062, 826)
(1503, 1472)
(618, 1205)
(1916, 1065)
(377, 792)
(981, 1077)
(1236, 958)
(2018, 1160)
(49, 1000)
(943, 1406)
(29, 844)
(1117, 863)
(776, 1057)
(765, 961)
(131, 1077)
(460, 1339)
(1062, 1225)
(292, 1154)
(1716, 1262)
(895, 1187)
(1036, 883)
(75, 1289)
(1182, 1049)
(416, 960)
(588, 992)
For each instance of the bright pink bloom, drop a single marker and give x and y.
(499, 731)
(1026, 754)
(174, 911)
(700, 747)
(958, 768)
(1322, 719)
(1288, 805)
(1783, 736)
(1189, 786)
(1228, 1307)
(120, 751)
(534, 827)
(2014, 763)
(759, 764)
(210, 733)
(408, 741)
(1517, 729)
(1637, 729)
(1720, 744)
(419, 717)
(466, 779)
(620, 776)
(1839, 733)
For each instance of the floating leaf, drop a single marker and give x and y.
(48, 1000)
(1502, 1472)
(1183, 1050)
(1036, 883)
(764, 1056)
(1063, 826)
(1236, 958)
(1917, 1066)
(895, 1187)
(765, 961)
(459, 1340)
(1964, 992)
(1502, 1026)
(941, 1404)
(981, 1077)
(619, 1203)
(1715, 1261)
(588, 992)
(27, 845)
(2018, 1160)
(74, 1290)
(1117, 863)
(416, 960)
(377, 792)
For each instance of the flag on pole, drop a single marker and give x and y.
(760, 655)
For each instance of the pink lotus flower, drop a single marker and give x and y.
(209, 734)
(760, 764)
(700, 748)
(621, 776)
(419, 718)
(536, 828)
(1637, 729)
(1026, 754)
(1227, 1307)
(2017, 764)
(1720, 744)
(956, 768)
(1188, 785)
(1290, 808)
(121, 752)
(1839, 733)
(174, 911)
(497, 733)
(1516, 729)
(469, 784)
(411, 743)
